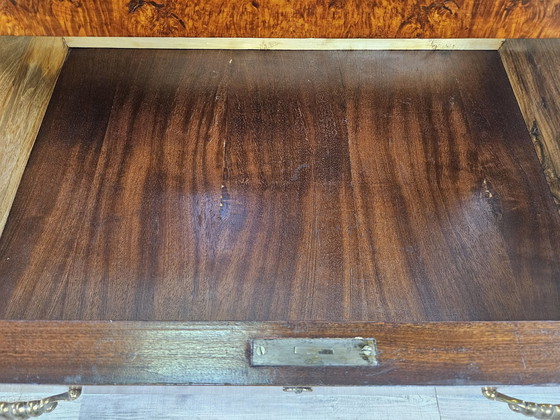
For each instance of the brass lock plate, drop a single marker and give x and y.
(310, 352)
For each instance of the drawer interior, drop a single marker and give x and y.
(390, 186)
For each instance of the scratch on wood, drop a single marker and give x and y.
(490, 194)
(486, 190)
(224, 193)
(552, 177)
(224, 201)
(536, 136)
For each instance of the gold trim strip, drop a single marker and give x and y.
(285, 43)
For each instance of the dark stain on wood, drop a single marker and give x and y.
(244, 185)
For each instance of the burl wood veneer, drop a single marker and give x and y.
(244, 185)
(284, 18)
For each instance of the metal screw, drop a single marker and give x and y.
(367, 351)
(260, 350)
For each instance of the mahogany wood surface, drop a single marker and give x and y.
(274, 186)
(218, 353)
(284, 18)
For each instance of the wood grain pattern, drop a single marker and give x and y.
(217, 353)
(284, 18)
(231, 185)
(29, 68)
(532, 68)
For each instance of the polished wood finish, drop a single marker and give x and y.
(222, 185)
(533, 68)
(217, 353)
(29, 68)
(284, 18)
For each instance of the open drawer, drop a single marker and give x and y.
(179, 204)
